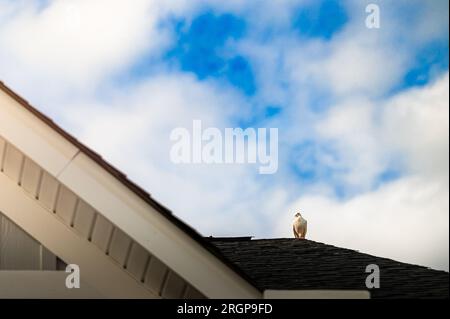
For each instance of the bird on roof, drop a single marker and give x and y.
(299, 226)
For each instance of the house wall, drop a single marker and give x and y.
(20, 251)
(86, 222)
(41, 285)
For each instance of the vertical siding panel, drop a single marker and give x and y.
(65, 205)
(84, 218)
(48, 191)
(174, 286)
(2, 152)
(184, 291)
(13, 160)
(60, 264)
(30, 177)
(120, 246)
(19, 250)
(102, 232)
(192, 293)
(137, 261)
(155, 275)
(48, 259)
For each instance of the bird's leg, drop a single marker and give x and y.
(295, 233)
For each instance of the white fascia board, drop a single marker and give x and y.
(34, 138)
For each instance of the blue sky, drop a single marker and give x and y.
(360, 112)
(320, 19)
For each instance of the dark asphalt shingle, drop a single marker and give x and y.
(305, 264)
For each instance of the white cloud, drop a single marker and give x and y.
(359, 67)
(132, 130)
(76, 44)
(351, 129)
(417, 124)
(411, 127)
(406, 219)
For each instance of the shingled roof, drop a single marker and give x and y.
(289, 264)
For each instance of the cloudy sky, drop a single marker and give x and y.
(362, 113)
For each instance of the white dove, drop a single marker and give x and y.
(299, 226)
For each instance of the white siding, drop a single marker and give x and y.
(19, 251)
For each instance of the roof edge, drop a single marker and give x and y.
(136, 189)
